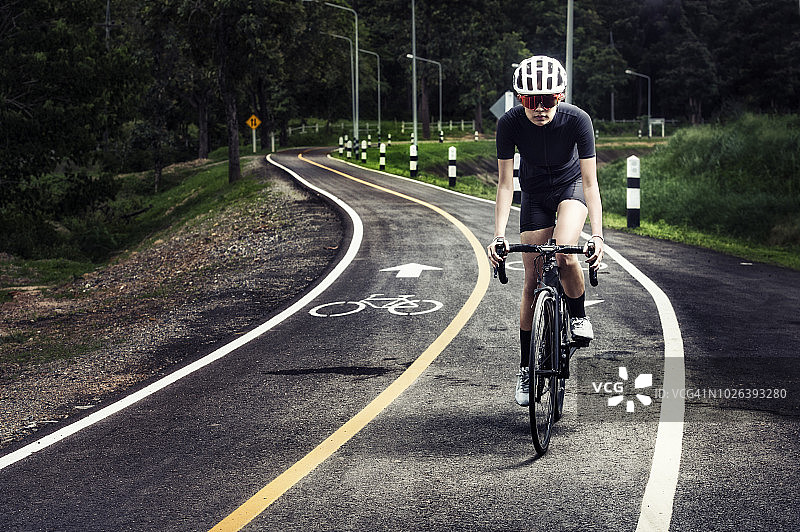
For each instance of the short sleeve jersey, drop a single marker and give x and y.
(548, 154)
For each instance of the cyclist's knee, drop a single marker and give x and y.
(567, 260)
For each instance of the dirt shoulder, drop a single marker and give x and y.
(140, 316)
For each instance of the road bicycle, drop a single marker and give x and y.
(401, 305)
(552, 344)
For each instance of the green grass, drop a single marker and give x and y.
(433, 160)
(187, 194)
(732, 188)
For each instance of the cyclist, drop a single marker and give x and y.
(558, 178)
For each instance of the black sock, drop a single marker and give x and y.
(575, 306)
(525, 348)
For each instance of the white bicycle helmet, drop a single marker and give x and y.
(540, 75)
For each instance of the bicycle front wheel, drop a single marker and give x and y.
(543, 379)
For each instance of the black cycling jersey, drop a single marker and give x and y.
(548, 154)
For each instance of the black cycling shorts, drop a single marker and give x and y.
(538, 209)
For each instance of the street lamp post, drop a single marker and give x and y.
(414, 67)
(568, 95)
(355, 70)
(437, 63)
(379, 86)
(352, 76)
(632, 73)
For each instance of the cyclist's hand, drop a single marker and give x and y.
(597, 256)
(494, 257)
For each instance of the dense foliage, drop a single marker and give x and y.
(167, 80)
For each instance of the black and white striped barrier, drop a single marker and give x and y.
(451, 166)
(412, 163)
(363, 151)
(349, 149)
(382, 160)
(517, 189)
(634, 192)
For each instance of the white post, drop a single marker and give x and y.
(363, 151)
(412, 163)
(451, 167)
(634, 195)
(254, 141)
(382, 160)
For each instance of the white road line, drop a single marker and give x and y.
(656, 508)
(659, 494)
(355, 244)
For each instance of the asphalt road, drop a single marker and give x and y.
(378, 419)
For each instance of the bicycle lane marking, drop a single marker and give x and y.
(125, 402)
(259, 502)
(657, 503)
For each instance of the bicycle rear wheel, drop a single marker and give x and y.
(543, 382)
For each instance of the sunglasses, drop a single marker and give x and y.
(546, 101)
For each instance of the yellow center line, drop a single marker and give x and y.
(280, 485)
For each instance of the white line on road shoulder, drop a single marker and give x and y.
(355, 244)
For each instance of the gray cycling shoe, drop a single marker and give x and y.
(581, 329)
(522, 393)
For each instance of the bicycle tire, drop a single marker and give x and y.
(542, 384)
(317, 311)
(413, 304)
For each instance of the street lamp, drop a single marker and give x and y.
(355, 92)
(352, 76)
(379, 86)
(632, 73)
(414, 67)
(437, 63)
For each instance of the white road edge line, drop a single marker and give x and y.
(659, 494)
(355, 244)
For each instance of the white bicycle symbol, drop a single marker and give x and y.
(401, 305)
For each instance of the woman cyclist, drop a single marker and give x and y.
(558, 178)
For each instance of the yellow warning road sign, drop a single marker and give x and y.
(253, 122)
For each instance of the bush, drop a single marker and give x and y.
(740, 179)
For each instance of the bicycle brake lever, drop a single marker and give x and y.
(592, 271)
(500, 269)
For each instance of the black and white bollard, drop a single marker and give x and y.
(389, 135)
(349, 149)
(382, 161)
(412, 138)
(412, 163)
(363, 151)
(476, 136)
(634, 195)
(341, 145)
(517, 189)
(369, 141)
(441, 136)
(451, 166)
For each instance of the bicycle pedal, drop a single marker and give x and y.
(580, 342)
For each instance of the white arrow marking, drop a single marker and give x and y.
(409, 270)
(590, 302)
